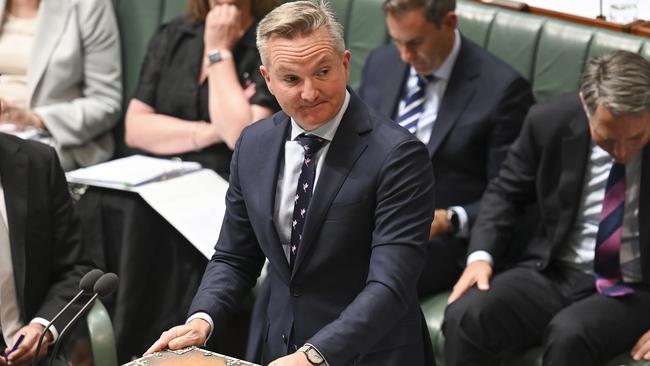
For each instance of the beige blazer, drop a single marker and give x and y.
(74, 78)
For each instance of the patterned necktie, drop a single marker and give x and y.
(414, 104)
(311, 144)
(607, 265)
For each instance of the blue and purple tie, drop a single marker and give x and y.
(311, 144)
(607, 265)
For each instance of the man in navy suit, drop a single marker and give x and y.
(334, 195)
(582, 284)
(463, 103)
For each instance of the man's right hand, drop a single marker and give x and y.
(476, 273)
(194, 333)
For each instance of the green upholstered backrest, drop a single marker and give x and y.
(550, 53)
(138, 20)
(514, 37)
(365, 30)
(475, 21)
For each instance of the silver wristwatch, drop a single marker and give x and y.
(215, 56)
(313, 356)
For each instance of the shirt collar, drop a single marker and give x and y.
(327, 130)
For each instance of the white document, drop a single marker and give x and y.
(130, 172)
(194, 204)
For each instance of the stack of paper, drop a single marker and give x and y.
(130, 172)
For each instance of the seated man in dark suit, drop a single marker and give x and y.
(344, 262)
(462, 102)
(581, 286)
(40, 251)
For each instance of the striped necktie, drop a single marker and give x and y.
(607, 267)
(414, 104)
(310, 144)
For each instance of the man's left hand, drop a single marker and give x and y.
(10, 113)
(440, 224)
(294, 359)
(23, 355)
(641, 349)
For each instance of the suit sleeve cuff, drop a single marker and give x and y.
(203, 316)
(45, 323)
(480, 255)
(463, 221)
(325, 363)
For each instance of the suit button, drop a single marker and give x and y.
(538, 264)
(284, 338)
(295, 291)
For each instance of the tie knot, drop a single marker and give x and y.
(616, 173)
(425, 79)
(310, 143)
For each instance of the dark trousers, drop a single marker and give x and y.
(559, 309)
(444, 265)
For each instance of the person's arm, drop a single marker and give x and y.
(230, 107)
(230, 274)
(76, 121)
(164, 135)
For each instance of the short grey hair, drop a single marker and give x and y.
(619, 81)
(434, 10)
(299, 18)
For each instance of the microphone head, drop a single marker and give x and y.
(106, 284)
(87, 282)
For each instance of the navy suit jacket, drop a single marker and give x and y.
(480, 115)
(352, 290)
(546, 166)
(47, 255)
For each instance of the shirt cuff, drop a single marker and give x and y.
(480, 255)
(45, 323)
(207, 318)
(325, 363)
(463, 221)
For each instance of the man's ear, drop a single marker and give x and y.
(267, 77)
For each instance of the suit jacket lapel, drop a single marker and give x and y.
(52, 17)
(15, 178)
(346, 147)
(267, 176)
(460, 90)
(575, 154)
(394, 81)
(644, 214)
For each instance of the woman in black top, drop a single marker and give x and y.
(200, 84)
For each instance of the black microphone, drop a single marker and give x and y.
(86, 284)
(104, 286)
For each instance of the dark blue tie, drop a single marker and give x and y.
(310, 144)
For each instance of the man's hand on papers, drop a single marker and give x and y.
(194, 333)
(294, 359)
(476, 273)
(11, 113)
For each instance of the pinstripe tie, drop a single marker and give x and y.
(607, 266)
(414, 104)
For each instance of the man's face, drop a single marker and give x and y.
(307, 76)
(421, 43)
(623, 137)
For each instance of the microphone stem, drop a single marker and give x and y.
(42, 336)
(59, 341)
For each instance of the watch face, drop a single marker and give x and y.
(313, 356)
(214, 57)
